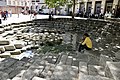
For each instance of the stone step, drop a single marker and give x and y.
(15, 69)
(6, 63)
(112, 70)
(103, 60)
(2, 49)
(63, 59)
(90, 77)
(18, 46)
(15, 52)
(9, 47)
(92, 59)
(35, 69)
(3, 76)
(5, 55)
(83, 68)
(4, 34)
(4, 42)
(30, 73)
(117, 54)
(38, 78)
(96, 70)
(69, 60)
(52, 58)
(82, 57)
(16, 78)
(65, 72)
(48, 71)
(32, 69)
(75, 62)
(1, 30)
(7, 28)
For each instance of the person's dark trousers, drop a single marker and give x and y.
(82, 47)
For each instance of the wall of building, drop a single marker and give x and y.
(84, 5)
(2, 3)
(15, 6)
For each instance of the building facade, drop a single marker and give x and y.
(16, 6)
(91, 6)
(97, 6)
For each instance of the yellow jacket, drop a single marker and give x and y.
(88, 42)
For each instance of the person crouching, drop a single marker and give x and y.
(86, 43)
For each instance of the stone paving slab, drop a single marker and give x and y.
(38, 78)
(7, 63)
(63, 59)
(1, 30)
(69, 60)
(9, 48)
(83, 68)
(4, 42)
(96, 70)
(93, 60)
(15, 52)
(15, 72)
(75, 62)
(3, 76)
(82, 57)
(5, 55)
(117, 54)
(16, 78)
(89, 77)
(64, 72)
(103, 59)
(112, 70)
(92, 70)
(2, 49)
(18, 46)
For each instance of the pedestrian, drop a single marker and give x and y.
(35, 15)
(4, 15)
(86, 43)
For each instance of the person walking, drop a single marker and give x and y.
(4, 16)
(86, 43)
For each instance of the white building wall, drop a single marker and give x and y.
(2, 3)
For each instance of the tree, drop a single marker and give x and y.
(55, 3)
(73, 8)
(58, 3)
(72, 3)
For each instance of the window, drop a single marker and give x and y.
(25, 3)
(37, 0)
(9, 2)
(13, 2)
(18, 3)
(22, 3)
